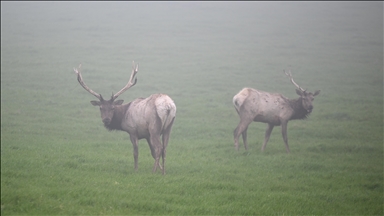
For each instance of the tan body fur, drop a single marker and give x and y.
(148, 118)
(271, 108)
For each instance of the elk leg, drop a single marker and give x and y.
(165, 140)
(134, 141)
(153, 150)
(267, 135)
(151, 147)
(244, 134)
(164, 152)
(157, 148)
(284, 127)
(243, 125)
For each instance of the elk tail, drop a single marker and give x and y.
(236, 103)
(166, 110)
(239, 98)
(170, 114)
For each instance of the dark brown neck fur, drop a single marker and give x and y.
(298, 111)
(118, 117)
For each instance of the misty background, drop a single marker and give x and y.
(57, 158)
(187, 49)
(195, 35)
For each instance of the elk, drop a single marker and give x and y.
(143, 118)
(271, 108)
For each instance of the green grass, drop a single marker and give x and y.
(57, 158)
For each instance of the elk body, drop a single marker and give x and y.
(271, 108)
(148, 118)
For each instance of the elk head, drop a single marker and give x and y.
(107, 107)
(306, 97)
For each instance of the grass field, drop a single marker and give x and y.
(58, 159)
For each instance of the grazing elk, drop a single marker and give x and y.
(143, 118)
(273, 109)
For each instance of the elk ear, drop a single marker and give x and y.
(299, 92)
(316, 93)
(95, 103)
(118, 102)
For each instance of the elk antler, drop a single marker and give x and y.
(135, 69)
(289, 74)
(80, 79)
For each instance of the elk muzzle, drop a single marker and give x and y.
(106, 121)
(310, 108)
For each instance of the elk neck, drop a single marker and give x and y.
(298, 110)
(118, 117)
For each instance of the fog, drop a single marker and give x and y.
(57, 158)
(326, 37)
(304, 25)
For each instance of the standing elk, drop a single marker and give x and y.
(143, 118)
(271, 108)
